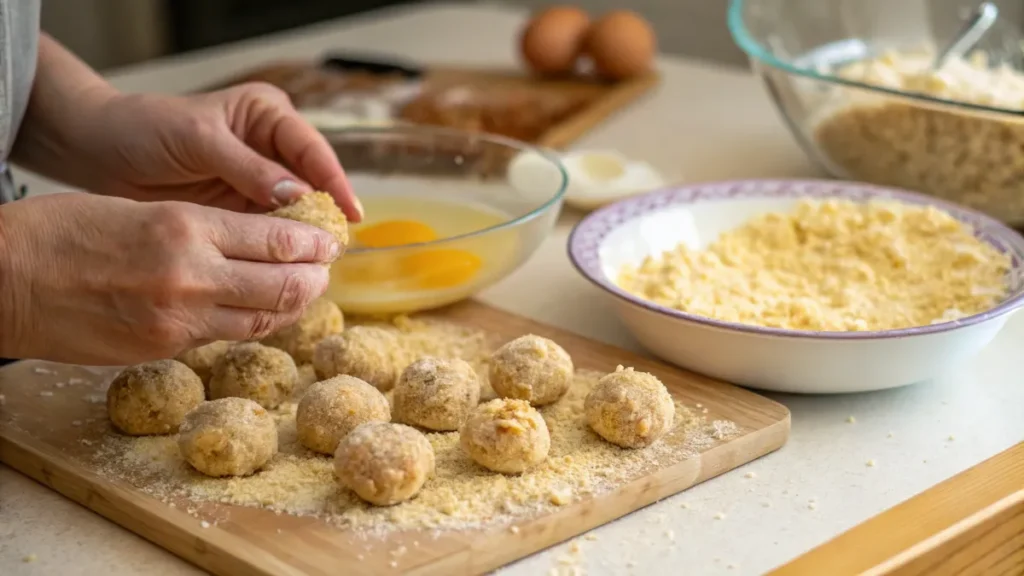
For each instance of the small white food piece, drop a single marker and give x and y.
(228, 437)
(384, 463)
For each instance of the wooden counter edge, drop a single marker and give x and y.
(971, 523)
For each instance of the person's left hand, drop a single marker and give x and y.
(245, 149)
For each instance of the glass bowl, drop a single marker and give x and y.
(448, 213)
(931, 139)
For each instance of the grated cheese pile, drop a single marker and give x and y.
(832, 265)
(462, 495)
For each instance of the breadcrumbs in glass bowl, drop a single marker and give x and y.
(804, 286)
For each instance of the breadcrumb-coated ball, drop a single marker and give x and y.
(436, 394)
(366, 352)
(228, 437)
(384, 463)
(320, 319)
(202, 359)
(506, 435)
(318, 209)
(331, 409)
(531, 368)
(628, 408)
(153, 398)
(251, 370)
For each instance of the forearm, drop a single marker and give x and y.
(61, 120)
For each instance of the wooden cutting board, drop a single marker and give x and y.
(42, 436)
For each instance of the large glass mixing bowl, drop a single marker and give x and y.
(448, 213)
(962, 150)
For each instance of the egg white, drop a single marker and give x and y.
(598, 178)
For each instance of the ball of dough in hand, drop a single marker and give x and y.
(628, 408)
(331, 409)
(436, 394)
(506, 435)
(202, 359)
(228, 437)
(318, 209)
(153, 398)
(251, 370)
(384, 463)
(321, 319)
(531, 368)
(366, 352)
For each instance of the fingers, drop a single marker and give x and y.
(274, 127)
(259, 238)
(280, 288)
(226, 323)
(263, 181)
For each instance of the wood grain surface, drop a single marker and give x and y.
(47, 437)
(971, 524)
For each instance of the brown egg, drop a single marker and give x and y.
(621, 44)
(553, 39)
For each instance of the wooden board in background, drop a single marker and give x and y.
(38, 438)
(547, 112)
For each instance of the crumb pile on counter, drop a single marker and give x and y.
(460, 494)
(832, 265)
(954, 153)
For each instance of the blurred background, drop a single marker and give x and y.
(111, 33)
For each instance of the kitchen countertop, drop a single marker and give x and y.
(702, 123)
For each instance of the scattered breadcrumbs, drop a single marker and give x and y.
(461, 495)
(831, 265)
(719, 516)
(750, 475)
(850, 420)
(871, 463)
(951, 438)
(29, 558)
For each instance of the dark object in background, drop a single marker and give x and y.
(202, 23)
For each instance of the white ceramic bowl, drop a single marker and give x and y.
(769, 358)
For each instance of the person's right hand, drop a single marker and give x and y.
(105, 281)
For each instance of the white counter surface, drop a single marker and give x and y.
(702, 123)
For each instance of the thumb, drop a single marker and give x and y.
(263, 181)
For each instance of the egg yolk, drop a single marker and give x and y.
(395, 233)
(440, 268)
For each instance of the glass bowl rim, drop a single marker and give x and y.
(755, 50)
(426, 130)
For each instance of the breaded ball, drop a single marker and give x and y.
(307, 377)
(320, 319)
(366, 352)
(254, 371)
(153, 398)
(630, 409)
(436, 394)
(202, 359)
(384, 463)
(506, 435)
(331, 409)
(228, 437)
(531, 368)
(318, 209)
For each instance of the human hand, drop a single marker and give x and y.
(244, 149)
(107, 281)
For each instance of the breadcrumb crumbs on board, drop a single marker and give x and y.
(462, 495)
(831, 265)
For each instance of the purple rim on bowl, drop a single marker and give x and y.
(588, 235)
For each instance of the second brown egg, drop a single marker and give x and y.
(553, 39)
(621, 44)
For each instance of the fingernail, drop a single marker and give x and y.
(286, 191)
(359, 207)
(333, 250)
